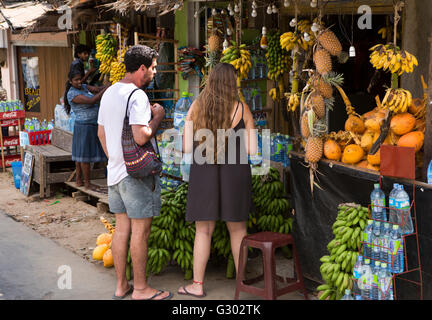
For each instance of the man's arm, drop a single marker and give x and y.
(143, 134)
(101, 135)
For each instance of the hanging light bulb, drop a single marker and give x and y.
(225, 44)
(236, 8)
(254, 13)
(229, 31)
(306, 36)
(176, 6)
(352, 52)
(231, 13)
(286, 3)
(293, 22)
(214, 12)
(254, 5)
(269, 10)
(274, 9)
(196, 14)
(229, 8)
(313, 3)
(222, 12)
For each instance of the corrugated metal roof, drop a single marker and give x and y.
(23, 14)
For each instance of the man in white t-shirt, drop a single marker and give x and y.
(133, 201)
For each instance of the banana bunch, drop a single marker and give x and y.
(105, 52)
(293, 101)
(289, 40)
(107, 225)
(238, 57)
(397, 100)
(278, 60)
(274, 94)
(337, 267)
(117, 67)
(389, 57)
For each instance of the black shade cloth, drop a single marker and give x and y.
(315, 215)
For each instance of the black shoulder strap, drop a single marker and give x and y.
(232, 120)
(127, 104)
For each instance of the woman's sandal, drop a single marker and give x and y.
(158, 293)
(187, 293)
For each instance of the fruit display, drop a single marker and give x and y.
(118, 68)
(239, 57)
(105, 52)
(392, 58)
(337, 267)
(103, 252)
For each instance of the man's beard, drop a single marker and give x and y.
(146, 84)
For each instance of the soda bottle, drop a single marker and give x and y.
(374, 294)
(376, 240)
(378, 203)
(404, 213)
(367, 239)
(385, 283)
(347, 295)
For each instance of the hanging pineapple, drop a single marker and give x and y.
(214, 50)
(328, 40)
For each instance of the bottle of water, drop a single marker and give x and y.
(50, 127)
(404, 206)
(378, 203)
(396, 246)
(365, 282)
(385, 283)
(72, 121)
(357, 273)
(44, 125)
(347, 295)
(393, 214)
(374, 294)
(376, 240)
(429, 173)
(181, 109)
(279, 148)
(36, 124)
(385, 242)
(367, 239)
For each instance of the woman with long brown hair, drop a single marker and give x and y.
(220, 187)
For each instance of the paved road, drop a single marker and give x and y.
(29, 265)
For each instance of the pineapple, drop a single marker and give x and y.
(214, 42)
(324, 88)
(318, 105)
(304, 126)
(314, 149)
(213, 59)
(322, 61)
(330, 42)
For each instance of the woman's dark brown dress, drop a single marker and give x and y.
(221, 191)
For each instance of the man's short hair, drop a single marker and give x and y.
(80, 49)
(139, 55)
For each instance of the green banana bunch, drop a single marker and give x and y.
(337, 267)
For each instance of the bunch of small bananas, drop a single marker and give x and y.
(293, 101)
(397, 100)
(278, 60)
(117, 67)
(274, 94)
(392, 58)
(238, 57)
(106, 48)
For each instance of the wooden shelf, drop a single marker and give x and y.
(254, 80)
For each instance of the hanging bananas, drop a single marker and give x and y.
(278, 60)
(397, 100)
(389, 57)
(105, 52)
(117, 67)
(239, 58)
(293, 101)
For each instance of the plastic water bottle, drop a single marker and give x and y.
(279, 148)
(181, 109)
(50, 127)
(385, 242)
(429, 173)
(357, 273)
(392, 204)
(396, 246)
(374, 294)
(347, 295)
(367, 239)
(404, 218)
(365, 282)
(378, 203)
(385, 283)
(376, 240)
(72, 121)
(36, 124)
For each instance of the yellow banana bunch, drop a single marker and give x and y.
(239, 58)
(397, 100)
(389, 57)
(293, 101)
(105, 51)
(118, 68)
(383, 32)
(288, 40)
(274, 94)
(278, 60)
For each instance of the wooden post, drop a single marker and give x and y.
(427, 157)
(2, 151)
(136, 42)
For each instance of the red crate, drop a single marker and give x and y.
(39, 137)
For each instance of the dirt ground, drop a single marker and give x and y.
(73, 224)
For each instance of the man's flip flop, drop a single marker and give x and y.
(187, 293)
(168, 297)
(123, 296)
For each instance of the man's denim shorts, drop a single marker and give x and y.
(139, 198)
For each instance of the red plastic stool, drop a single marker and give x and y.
(267, 242)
